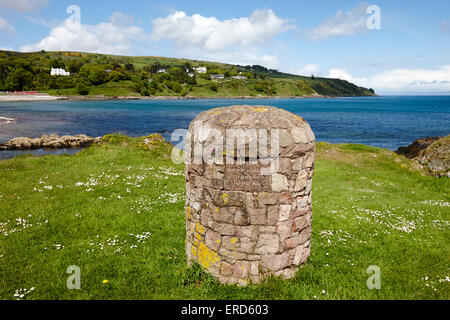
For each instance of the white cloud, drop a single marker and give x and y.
(309, 69)
(5, 26)
(211, 34)
(337, 73)
(23, 5)
(105, 37)
(401, 80)
(7, 48)
(342, 23)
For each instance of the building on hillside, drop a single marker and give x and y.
(59, 72)
(201, 69)
(217, 77)
(239, 77)
(161, 71)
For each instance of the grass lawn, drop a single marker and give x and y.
(116, 210)
(120, 88)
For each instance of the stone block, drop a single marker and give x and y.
(257, 216)
(241, 269)
(267, 243)
(275, 262)
(213, 240)
(279, 183)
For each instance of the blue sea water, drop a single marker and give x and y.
(386, 122)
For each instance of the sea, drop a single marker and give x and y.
(384, 121)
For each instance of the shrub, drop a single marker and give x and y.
(82, 88)
(176, 87)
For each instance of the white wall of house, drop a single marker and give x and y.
(200, 69)
(59, 72)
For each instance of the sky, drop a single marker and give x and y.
(394, 47)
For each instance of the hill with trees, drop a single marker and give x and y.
(110, 75)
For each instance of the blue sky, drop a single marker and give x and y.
(409, 53)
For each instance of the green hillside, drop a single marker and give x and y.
(110, 75)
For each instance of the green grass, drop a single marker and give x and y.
(370, 207)
(109, 89)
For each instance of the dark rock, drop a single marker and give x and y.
(415, 148)
(432, 153)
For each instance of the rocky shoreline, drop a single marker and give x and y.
(24, 98)
(52, 141)
(432, 153)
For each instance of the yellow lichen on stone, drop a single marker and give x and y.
(234, 240)
(207, 257)
(199, 228)
(188, 209)
(198, 236)
(225, 198)
(260, 109)
(194, 251)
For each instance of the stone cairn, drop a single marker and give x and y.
(248, 219)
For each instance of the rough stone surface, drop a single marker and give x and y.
(279, 183)
(244, 223)
(432, 153)
(52, 141)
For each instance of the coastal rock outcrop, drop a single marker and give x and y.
(52, 141)
(432, 153)
(415, 148)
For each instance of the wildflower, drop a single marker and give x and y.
(105, 281)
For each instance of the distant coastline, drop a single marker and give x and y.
(45, 97)
(87, 76)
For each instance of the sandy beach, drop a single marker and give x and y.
(24, 97)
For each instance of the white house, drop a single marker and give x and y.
(217, 76)
(202, 69)
(161, 71)
(59, 72)
(239, 77)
